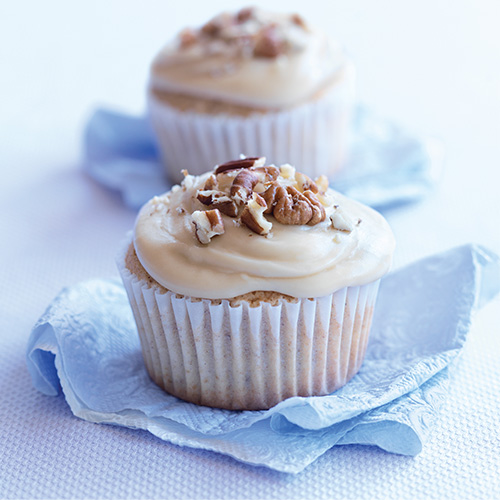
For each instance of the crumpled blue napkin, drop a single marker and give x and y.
(387, 165)
(86, 344)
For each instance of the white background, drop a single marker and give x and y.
(433, 66)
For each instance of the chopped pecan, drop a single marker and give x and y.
(325, 199)
(245, 14)
(269, 43)
(217, 24)
(287, 171)
(292, 207)
(319, 214)
(322, 183)
(211, 28)
(225, 180)
(247, 189)
(243, 185)
(298, 20)
(341, 221)
(210, 183)
(253, 215)
(207, 223)
(254, 161)
(187, 37)
(305, 183)
(269, 196)
(267, 174)
(219, 200)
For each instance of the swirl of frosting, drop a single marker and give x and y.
(351, 244)
(251, 58)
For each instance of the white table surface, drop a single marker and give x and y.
(433, 66)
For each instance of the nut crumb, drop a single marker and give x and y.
(341, 221)
(208, 223)
(253, 215)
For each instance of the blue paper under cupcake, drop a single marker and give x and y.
(86, 344)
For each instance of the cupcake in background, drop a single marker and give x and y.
(253, 283)
(252, 82)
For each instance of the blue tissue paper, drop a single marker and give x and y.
(86, 347)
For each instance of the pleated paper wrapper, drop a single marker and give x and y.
(312, 137)
(241, 357)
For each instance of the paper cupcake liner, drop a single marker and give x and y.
(312, 137)
(244, 357)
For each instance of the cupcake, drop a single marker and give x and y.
(253, 283)
(247, 82)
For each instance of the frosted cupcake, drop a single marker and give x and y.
(251, 284)
(252, 82)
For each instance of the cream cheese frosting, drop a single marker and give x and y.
(251, 58)
(352, 245)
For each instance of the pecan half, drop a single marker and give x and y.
(253, 215)
(254, 161)
(292, 207)
(207, 223)
(218, 200)
(319, 214)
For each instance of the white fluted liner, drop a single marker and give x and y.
(312, 137)
(250, 357)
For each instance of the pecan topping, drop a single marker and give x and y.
(218, 200)
(248, 33)
(299, 21)
(305, 183)
(242, 163)
(267, 174)
(245, 14)
(269, 43)
(247, 190)
(187, 37)
(217, 24)
(253, 215)
(210, 183)
(269, 196)
(319, 214)
(211, 28)
(322, 183)
(287, 171)
(207, 223)
(340, 221)
(292, 207)
(243, 185)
